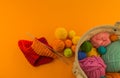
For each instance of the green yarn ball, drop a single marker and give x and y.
(68, 52)
(86, 46)
(102, 50)
(112, 57)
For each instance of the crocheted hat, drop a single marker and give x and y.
(31, 55)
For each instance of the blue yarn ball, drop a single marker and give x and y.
(102, 50)
(81, 55)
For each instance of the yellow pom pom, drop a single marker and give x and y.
(75, 39)
(58, 45)
(61, 33)
(93, 52)
(71, 34)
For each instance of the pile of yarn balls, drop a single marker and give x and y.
(65, 41)
(97, 55)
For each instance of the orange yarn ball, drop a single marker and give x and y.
(73, 48)
(58, 45)
(68, 43)
(113, 37)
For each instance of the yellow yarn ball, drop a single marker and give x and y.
(71, 34)
(61, 33)
(75, 39)
(93, 52)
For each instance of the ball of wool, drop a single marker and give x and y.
(102, 50)
(68, 52)
(71, 34)
(86, 46)
(112, 75)
(93, 52)
(58, 45)
(94, 67)
(100, 39)
(113, 37)
(102, 77)
(75, 39)
(112, 57)
(68, 43)
(81, 55)
(73, 47)
(61, 33)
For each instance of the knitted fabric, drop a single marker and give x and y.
(32, 57)
(100, 39)
(42, 49)
(112, 57)
(94, 67)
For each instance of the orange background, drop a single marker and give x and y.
(41, 18)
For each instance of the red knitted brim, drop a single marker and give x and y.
(31, 55)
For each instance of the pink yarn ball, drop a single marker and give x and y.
(94, 67)
(100, 39)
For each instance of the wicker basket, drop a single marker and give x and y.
(79, 73)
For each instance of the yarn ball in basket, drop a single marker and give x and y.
(71, 34)
(68, 43)
(86, 46)
(102, 50)
(112, 57)
(113, 37)
(93, 52)
(61, 33)
(100, 39)
(58, 45)
(94, 67)
(68, 52)
(112, 75)
(81, 55)
(75, 39)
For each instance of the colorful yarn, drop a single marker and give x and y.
(94, 67)
(68, 43)
(86, 46)
(102, 77)
(58, 45)
(102, 50)
(112, 75)
(71, 34)
(61, 33)
(100, 39)
(112, 57)
(81, 55)
(93, 52)
(73, 48)
(113, 37)
(68, 52)
(75, 40)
